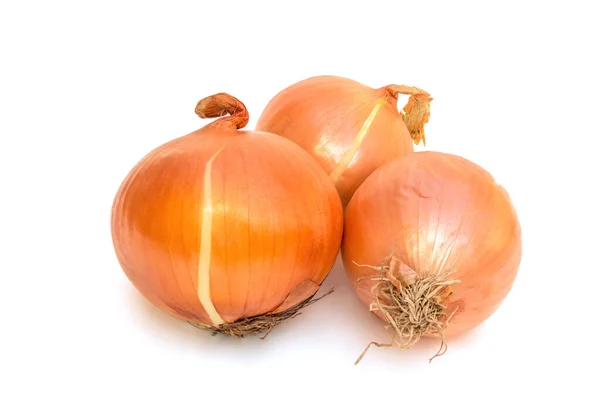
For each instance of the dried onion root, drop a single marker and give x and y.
(262, 324)
(412, 305)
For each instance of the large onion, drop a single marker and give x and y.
(432, 244)
(222, 225)
(351, 129)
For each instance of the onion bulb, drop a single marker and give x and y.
(432, 245)
(228, 229)
(350, 128)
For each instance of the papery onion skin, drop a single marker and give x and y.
(325, 116)
(437, 211)
(275, 220)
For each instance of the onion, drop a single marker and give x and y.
(432, 244)
(212, 227)
(351, 129)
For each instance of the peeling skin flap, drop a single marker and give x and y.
(302, 292)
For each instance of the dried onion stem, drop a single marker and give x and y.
(416, 112)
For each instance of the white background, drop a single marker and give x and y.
(87, 88)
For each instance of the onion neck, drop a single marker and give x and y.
(221, 104)
(416, 112)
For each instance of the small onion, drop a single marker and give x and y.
(228, 229)
(432, 244)
(350, 128)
